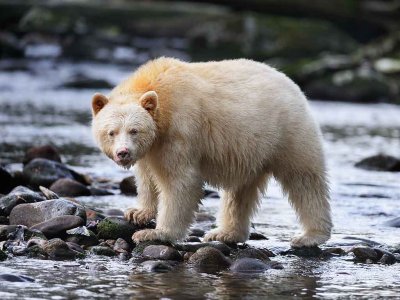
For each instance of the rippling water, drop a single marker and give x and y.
(35, 110)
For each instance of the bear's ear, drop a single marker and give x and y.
(98, 102)
(149, 101)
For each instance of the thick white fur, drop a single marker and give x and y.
(232, 124)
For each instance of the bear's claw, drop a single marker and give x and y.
(150, 235)
(309, 240)
(139, 216)
(225, 236)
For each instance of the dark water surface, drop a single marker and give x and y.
(35, 110)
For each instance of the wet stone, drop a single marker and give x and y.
(102, 250)
(75, 247)
(193, 247)
(380, 162)
(393, 222)
(365, 253)
(82, 81)
(18, 233)
(34, 213)
(114, 228)
(82, 236)
(3, 255)
(249, 265)
(94, 191)
(307, 252)
(209, 257)
(387, 259)
(161, 252)
(58, 225)
(139, 248)
(128, 186)
(192, 239)
(252, 253)
(66, 187)
(17, 196)
(58, 249)
(47, 152)
(45, 172)
(257, 236)
(15, 278)
(197, 232)
(121, 246)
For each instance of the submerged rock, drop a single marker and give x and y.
(128, 186)
(34, 213)
(45, 172)
(58, 225)
(66, 187)
(157, 266)
(365, 253)
(253, 253)
(393, 222)
(249, 265)
(209, 257)
(15, 278)
(161, 252)
(314, 251)
(114, 228)
(17, 196)
(380, 162)
(47, 152)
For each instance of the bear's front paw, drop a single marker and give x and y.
(150, 235)
(309, 240)
(139, 216)
(226, 236)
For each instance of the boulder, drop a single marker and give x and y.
(209, 257)
(161, 252)
(47, 152)
(18, 195)
(33, 213)
(58, 226)
(58, 249)
(66, 187)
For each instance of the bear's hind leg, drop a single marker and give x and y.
(309, 194)
(238, 206)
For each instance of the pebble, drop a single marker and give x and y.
(66, 187)
(102, 250)
(209, 257)
(47, 151)
(17, 196)
(58, 225)
(45, 172)
(33, 213)
(114, 228)
(161, 252)
(128, 186)
(58, 249)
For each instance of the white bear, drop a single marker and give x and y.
(232, 124)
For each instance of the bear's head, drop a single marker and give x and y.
(125, 130)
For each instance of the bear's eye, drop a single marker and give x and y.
(133, 131)
(111, 133)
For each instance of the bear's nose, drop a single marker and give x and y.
(123, 153)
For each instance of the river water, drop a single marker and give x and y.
(35, 110)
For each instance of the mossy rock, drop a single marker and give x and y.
(112, 228)
(102, 250)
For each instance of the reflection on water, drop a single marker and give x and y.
(35, 110)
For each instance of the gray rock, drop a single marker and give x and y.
(139, 248)
(75, 247)
(34, 213)
(197, 232)
(94, 191)
(121, 246)
(161, 252)
(18, 195)
(102, 250)
(66, 187)
(15, 278)
(50, 195)
(257, 236)
(252, 253)
(18, 233)
(58, 249)
(365, 253)
(128, 186)
(3, 255)
(209, 257)
(193, 247)
(58, 225)
(192, 239)
(47, 152)
(380, 162)
(249, 265)
(387, 259)
(45, 172)
(82, 236)
(204, 217)
(114, 228)
(82, 81)
(156, 266)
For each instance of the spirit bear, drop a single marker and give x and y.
(232, 124)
